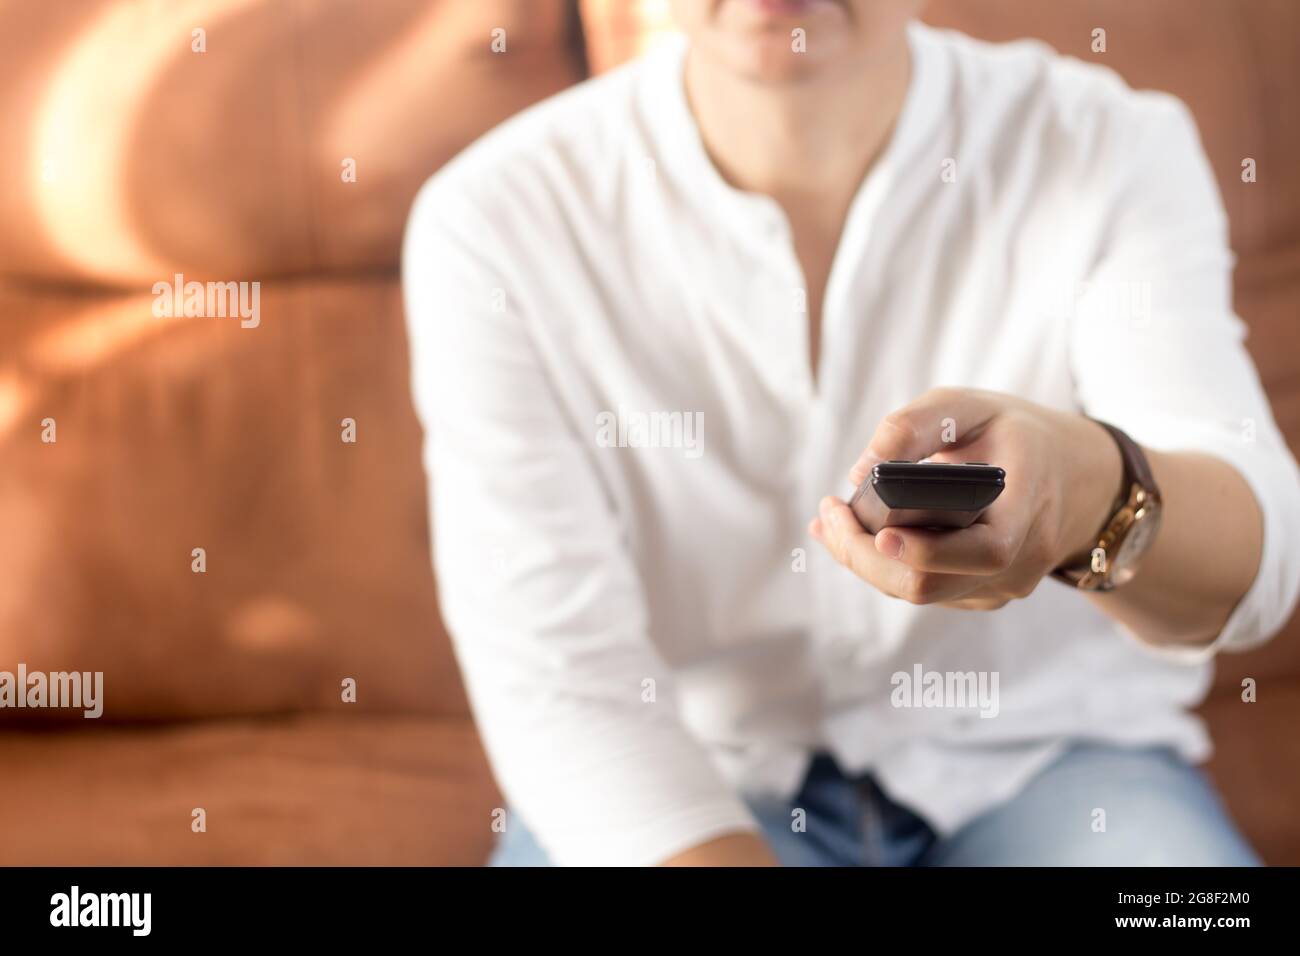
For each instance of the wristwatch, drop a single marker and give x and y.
(1132, 527)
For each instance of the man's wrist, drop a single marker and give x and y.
(1094, 488)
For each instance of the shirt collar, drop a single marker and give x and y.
(687, 162)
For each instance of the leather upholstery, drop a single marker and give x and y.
(133, 158)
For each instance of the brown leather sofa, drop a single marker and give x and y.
(134, 157)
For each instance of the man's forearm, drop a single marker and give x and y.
(1203, 559)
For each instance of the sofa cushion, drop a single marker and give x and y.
(1256, 764)
(177, 434)
(134, 155)
(322, 790)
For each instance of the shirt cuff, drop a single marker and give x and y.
(1268, 602)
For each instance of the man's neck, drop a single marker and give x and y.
(815, 138)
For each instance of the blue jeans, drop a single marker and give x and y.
(1159, 811)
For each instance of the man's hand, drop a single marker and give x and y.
(1063, 474)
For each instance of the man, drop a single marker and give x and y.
(655, 319)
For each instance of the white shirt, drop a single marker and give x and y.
(647, 632)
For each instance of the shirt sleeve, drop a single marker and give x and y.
(1157, 349)
(539, 592)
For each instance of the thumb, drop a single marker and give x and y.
(939, 419)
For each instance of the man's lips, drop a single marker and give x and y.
(786, 8)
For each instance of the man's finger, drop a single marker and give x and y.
(939, 418)
(856, 550)
(841, 532)
(983, 548)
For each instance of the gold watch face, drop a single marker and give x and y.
(1127, 556)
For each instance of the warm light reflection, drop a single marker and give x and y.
(14, 399)
(367, 111)
(620, 30)
(270, 622)
(93, 334)
(100, 335)
(78, 159)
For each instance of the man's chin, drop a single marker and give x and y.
(773, 62)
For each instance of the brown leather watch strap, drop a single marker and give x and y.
(1136, 468)
(1137, 472)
